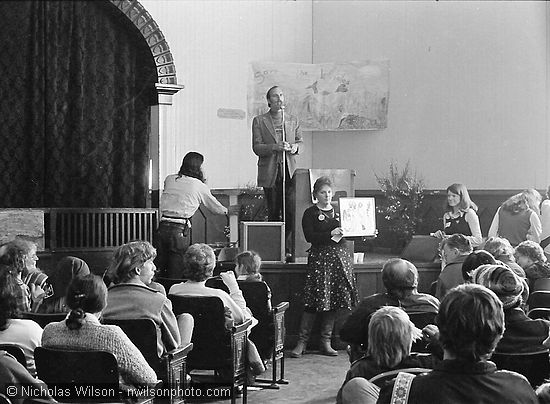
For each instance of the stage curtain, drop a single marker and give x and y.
(78, 82)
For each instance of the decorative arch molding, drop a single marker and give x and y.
(149, 29)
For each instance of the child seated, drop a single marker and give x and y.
(247, 266)
(530, 256)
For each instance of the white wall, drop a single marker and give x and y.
(212, 43)
(468, 89)
(468, 84)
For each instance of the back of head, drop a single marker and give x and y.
(399, 274)
(502, 281)
(516, 204)
(66, 269)
(471, 322)
(8, 301)
(458, 241)
(473, 261)
(391, 334)
(465, 201)
(191, 166)
(249, 261)
(531, 250)
(198, 262)
(499, 247)
(86, 294)
(128, 257)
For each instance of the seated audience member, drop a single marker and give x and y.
(516, 221)
(19, 255)
(12, 373)
(13, 330)
(543, 393)
(31, 275)
(199, 262)
(521, 334)
(454, 250)
(473, 261)
(66, 269)
(530, 256)
(471, 323)
(132, 268)
(503, 251)
(391, 334)
(400, 278)
(247, 266)
(87, 297)
(545, 221)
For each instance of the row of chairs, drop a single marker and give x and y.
(213, 346)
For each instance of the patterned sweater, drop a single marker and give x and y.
(132, 367)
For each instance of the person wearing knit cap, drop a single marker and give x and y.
(522, 334)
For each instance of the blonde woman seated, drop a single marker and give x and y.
(199, 262)
(87, 297)
(131, 297)
(391, 335)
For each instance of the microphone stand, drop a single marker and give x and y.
(284, 176)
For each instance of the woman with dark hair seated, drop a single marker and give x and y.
(67, 268)
(391, 335)
(87, 297)
(522, 334)
(13, 330)
(131, 297)
(199, 262)
(471, 323)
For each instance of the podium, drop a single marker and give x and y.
(343, 185)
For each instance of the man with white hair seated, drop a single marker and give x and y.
(400, 278)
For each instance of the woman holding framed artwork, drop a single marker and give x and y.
(330, 284)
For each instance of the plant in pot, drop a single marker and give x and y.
(253, 206)
(403, 190)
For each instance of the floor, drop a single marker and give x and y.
(314, 379)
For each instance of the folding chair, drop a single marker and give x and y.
(214, 346)
(16, 351)
(539, 299)
(535, 366)
(171, 367)
(80, 368)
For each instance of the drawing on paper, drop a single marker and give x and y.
(358, 217)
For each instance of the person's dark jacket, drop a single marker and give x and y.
(459, 382)
(356, 328)
(522, 334)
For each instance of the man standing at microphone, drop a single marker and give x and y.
(277, 137)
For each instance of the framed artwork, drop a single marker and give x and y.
(358, 217)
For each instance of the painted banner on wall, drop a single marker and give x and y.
(325, 96)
